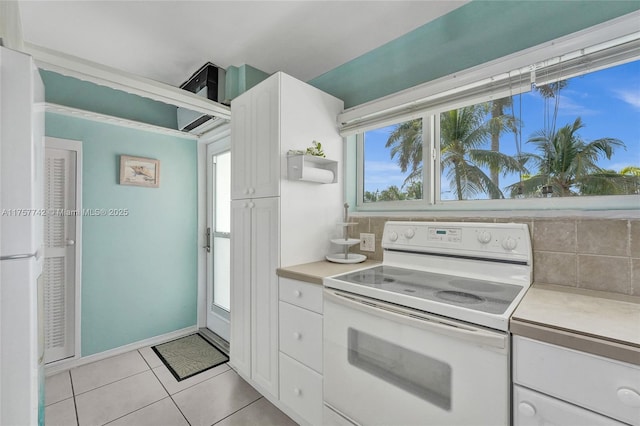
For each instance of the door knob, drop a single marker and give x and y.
(70, 242)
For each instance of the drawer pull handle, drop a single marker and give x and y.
(629, 397)
(297, 293)
(297, 335)
(297, 391)
(526, 409)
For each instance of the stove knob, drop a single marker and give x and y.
(393, 236)
(484, 237)
(409, 233)
(509, 243)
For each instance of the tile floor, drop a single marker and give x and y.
(137, 389)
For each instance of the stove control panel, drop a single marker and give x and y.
(451, 235)
(508, 241)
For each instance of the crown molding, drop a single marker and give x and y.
(117, 121)
(102, 75)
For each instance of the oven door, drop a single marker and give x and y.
(384, 364)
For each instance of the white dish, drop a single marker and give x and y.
(347, 242)
(351, 258)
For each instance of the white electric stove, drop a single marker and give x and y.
(427, 328)
(475, 272)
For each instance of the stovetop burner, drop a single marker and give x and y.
(474, 285)
(371, 277)
(459, 296)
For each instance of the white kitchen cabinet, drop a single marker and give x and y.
(254, 292)
(301, 389)
(301, 335)
(534, 409)
(302, 294)
(301, 348)
(576, 384)
(275, 222)
(256, 142)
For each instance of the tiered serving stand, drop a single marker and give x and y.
(345, 242)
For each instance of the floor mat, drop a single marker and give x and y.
(188, 356)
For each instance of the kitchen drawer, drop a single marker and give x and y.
(301, 389)
(534, 409)
(305, 295)
(301, 335)
(598, 384)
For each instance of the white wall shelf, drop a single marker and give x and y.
(310, 168)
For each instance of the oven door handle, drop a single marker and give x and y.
(418, 319)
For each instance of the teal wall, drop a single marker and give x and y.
(139, 272)
(69, 91)
(471, 35)
(240, 79)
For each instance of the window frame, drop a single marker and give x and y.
(432, 184)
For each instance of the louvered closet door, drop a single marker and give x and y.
(59, 254)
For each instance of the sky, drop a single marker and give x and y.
(608, 101)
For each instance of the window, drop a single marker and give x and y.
(393, 166)
(564, 129)
(222, 234)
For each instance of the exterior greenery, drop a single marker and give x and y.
(559, 162)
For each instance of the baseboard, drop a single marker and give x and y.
(67, 364)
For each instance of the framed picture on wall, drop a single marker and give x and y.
(139, 171)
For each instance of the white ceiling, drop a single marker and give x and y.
(169, 40)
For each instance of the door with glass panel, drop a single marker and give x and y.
(218, 238)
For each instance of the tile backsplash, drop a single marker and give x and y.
(595, 254)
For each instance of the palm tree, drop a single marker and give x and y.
(370, 197)
(631, 176)
(625, 182)
(630, 171)
(414, 190)
(406, 143)
(392, 193)
(567, 165)
(498, 124)
(548, 92)
(463, 134)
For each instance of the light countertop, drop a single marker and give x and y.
(314, 272)
(601, 323)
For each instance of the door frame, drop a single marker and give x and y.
(76, 146)
(218, 135)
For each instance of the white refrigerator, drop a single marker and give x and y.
(21, 240)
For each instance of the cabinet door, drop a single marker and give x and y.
(571, 375)
(241, 151)
(533, 409)
(240, 340)
(266, 138)
(255, 142)
(264, 290)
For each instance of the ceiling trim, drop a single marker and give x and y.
(116, 121)
(102, 75)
